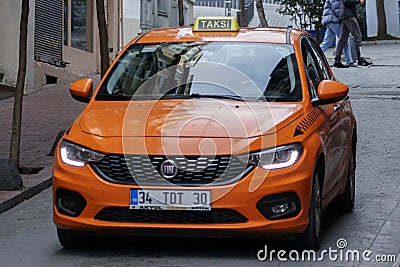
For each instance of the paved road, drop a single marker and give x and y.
(28, 237)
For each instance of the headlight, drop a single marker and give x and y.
(274, 158)
(78, 156)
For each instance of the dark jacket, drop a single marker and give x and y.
(348, 8)
(331, 12)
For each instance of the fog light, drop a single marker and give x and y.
(69, 203)
(281, 208)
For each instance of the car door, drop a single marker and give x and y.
(341, 112)
(318, 70)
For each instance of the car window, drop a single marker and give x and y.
(321, 60)
(252, 71)
(311, 68)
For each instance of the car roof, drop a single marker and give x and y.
(186, 34)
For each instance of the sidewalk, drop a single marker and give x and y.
(6, 91)
(45, 114)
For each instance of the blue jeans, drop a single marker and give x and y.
(333, 30)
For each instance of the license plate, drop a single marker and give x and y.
(154, 199)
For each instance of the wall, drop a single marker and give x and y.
(10, 13)
(392, 18)
(113, 22)
(8, 39)
(132, 14)
(130, 20)
(189, 16)
(79, 63)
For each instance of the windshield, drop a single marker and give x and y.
(228, 70)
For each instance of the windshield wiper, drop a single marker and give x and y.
(175, 96)
(115, 96)
(122, 96)
(230, 97)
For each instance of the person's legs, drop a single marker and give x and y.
(344, 36)
(329, 38)
(335, 27)
(347, 52)
(354, 28)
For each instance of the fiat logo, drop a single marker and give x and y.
(168, 169)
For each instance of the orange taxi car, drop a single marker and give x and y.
(209, 130)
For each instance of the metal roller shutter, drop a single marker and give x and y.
(48, 32)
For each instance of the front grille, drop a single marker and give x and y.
(192, 170)
(215, 216)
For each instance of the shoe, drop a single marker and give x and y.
(340, 65)
(363, 62)
(352, 65)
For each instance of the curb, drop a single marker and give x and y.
(381, 42)
(25, 194)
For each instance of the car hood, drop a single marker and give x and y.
(186, 118)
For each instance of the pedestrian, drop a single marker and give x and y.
(330, 19)
(348, 16)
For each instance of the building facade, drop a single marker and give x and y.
(142, 15)
(392, 12)
(63, 40)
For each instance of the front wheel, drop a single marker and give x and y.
(311, 238)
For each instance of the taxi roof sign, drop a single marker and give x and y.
(215, 24)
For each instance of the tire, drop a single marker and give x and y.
(74, 239)
(311, 238)
(345, 202)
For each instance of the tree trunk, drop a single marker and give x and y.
(19, 89)
(380, 11)
(261, 13)
(180, 11)
(243, 22)
(103, 34)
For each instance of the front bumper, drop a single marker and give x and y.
(241, 197)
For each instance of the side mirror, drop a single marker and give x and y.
(330, 92)
(81, 90)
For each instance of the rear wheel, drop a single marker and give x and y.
(74, 239)
(345, 202)
(311, 238)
